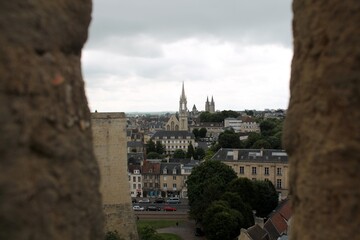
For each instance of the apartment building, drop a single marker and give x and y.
(173, 140)
(171, 180)
(259, 164)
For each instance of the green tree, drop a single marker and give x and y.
(207, 183)
(147, 232)
(153, 155)
(209, 154)
(275, 142)
(160, 149)
(179, 153)
(196, 133)
(245, 188)
(112, 235)
(252, 138)
(261, 143)
(221, 221)
(202, 132)
(199, 153)
(229, 139)
(190, 151)
(150, 146)
(266, 198)
(235, 202)
(267, 126)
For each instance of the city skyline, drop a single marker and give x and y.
(139, 53)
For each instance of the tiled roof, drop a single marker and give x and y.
(131, 168)
(253, 155)
(257, 233)
(176, 134)
(279, 223)
(170, 168)
(135, 144)
(150, 168)
(271, 230)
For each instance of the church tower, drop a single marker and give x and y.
(207, 105)
(212, 105)
(183, 111)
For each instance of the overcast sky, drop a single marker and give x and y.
(140, 51)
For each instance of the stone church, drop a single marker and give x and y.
(180, 122)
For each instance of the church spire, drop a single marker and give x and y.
(183, 92)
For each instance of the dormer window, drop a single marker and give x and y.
(136, 171)
(165, 170)
(174, 171)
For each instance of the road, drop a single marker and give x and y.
(182, 207)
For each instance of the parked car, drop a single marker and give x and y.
(144, 200)
(175, 200)
(152, 208)
(168, 208)
(159, 200)
(138, 208)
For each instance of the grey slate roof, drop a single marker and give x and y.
(253, 155)
(257, 233)
(135, 144)
(170, 168)
(176, 134)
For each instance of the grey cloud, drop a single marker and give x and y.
(256, 20)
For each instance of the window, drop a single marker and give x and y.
(253, 170)
(165, 170)
(266, 171)
(145, 184)
(174, 171)
(278, 171)
(139, 179)
(278, 183)
(242, 170)
(165, 185)
(174, 185)
(134, 179)
(139, 186)
(164, 178)
(151, 185)
(174, 177)
(134, 186)
(156, 185)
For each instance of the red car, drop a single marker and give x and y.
(168, 208)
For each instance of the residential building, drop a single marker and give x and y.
(186, 170)
(171, 180)
(135, 180)
(173, 140)
(259, 164)
(276, 227)
(151, 179)
(242, 124)
(135, 146)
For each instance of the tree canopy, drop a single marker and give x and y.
(218, 116)
(179, 153)
(206, 184)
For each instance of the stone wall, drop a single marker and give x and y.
(109, 139)
(49, 181)
(322, 130)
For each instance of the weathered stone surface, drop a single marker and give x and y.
(49, 181)
(322, 130)
(109, 139)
